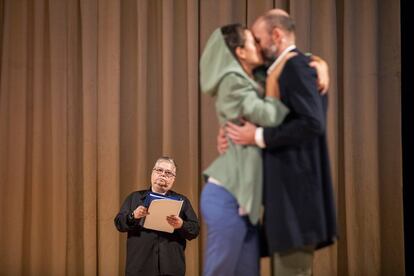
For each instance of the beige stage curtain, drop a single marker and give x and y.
(93, 91)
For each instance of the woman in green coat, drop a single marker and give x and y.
(231, 198)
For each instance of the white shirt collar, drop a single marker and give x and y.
(280, 57)
(157, 192)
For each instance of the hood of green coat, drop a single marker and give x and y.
(216, 62)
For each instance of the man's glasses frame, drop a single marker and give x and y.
(167, 173)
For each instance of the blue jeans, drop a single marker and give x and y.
(232, 241)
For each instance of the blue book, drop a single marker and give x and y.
(151, 196)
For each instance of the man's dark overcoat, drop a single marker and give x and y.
(298, 193)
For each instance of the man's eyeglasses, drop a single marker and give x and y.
(167, 173)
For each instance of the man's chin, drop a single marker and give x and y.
(160, 182)
(162, 186)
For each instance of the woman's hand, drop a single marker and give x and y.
(322, 71)
(272, 85)
(277, 71)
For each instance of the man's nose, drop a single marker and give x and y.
(164, 174)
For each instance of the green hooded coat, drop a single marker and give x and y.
(239, 169)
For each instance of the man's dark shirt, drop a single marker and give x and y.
(151, 252)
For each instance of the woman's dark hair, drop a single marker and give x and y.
(234, 36)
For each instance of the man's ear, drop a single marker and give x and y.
(240, 53)
(276, 34)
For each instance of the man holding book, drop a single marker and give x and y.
(157, 252)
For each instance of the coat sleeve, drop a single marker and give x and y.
(191, 225)
(123, 221)
(237, 98)
(306, 119)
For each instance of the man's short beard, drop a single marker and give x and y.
(269, 54)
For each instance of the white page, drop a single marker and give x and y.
(158, 211)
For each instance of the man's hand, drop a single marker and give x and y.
(242, 135)
(175, 221)
(323, 73)
(140, 212)
(221, 141)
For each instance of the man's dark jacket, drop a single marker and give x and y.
(151, 252)
(298, 194)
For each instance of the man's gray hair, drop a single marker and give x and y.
(167, 159)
